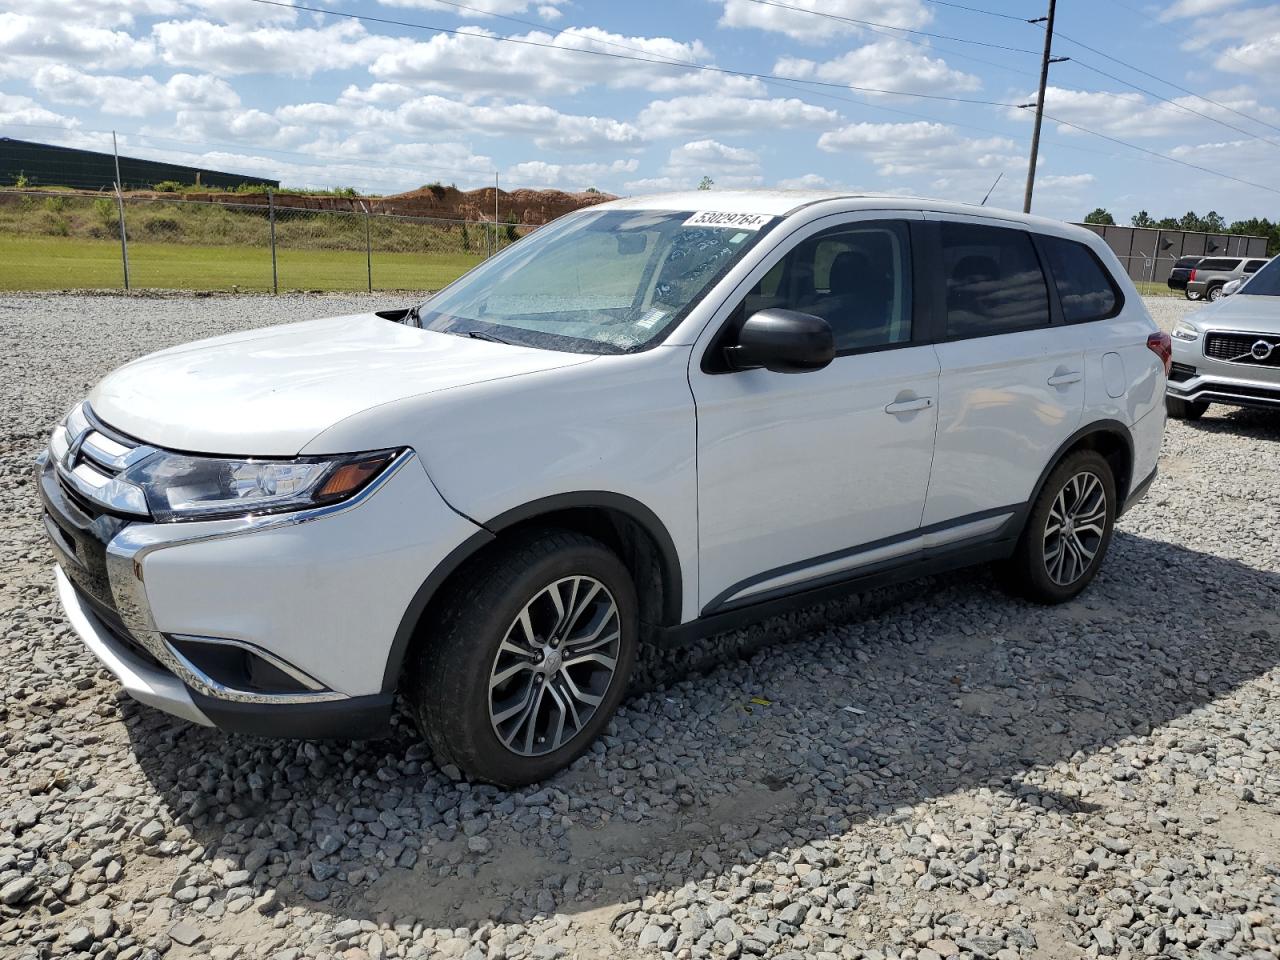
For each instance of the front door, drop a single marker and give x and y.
(798, 473)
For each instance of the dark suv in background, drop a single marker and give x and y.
(1207, 278)
(1181, 272)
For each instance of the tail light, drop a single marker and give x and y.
(1161, 344)
(1192, 275)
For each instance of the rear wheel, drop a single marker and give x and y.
(1214, 293)
(1067, 532)
(1180, 409)
(528, 660)
(1191, 296)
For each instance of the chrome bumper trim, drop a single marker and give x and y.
(140, 680)
(126, 555)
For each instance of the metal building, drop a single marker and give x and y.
(1149, 253)
(46, 165)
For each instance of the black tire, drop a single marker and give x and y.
(447, 682)
(1028, 571)
(1214, 293)
(1179, 409)
(1191, 296)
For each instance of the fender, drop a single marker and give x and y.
(579, 500)
(1097, 426)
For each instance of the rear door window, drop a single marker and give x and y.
(1253, 266)
(1085, 288)
(993, 279)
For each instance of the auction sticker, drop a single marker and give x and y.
(728, 221)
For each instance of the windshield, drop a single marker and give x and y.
(601, 281)
(1264, 283)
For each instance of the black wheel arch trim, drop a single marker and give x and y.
(1097, 426)
(633, 509)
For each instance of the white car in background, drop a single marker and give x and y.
(1229, 352)
(657, 418)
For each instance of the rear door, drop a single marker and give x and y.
(1011, 387)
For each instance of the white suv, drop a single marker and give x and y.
(649, 420)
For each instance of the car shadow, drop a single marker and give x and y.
(1250, 421)
(852, 712)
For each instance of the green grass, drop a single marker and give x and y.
(1149, 289)
(39, 263)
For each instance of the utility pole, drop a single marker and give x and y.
(1045, 60)
(124, 241)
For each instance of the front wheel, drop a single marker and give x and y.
(528, 659)
(1179, 409)
(1067, 532)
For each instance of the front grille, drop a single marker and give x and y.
(96, 456)
(1259, 350)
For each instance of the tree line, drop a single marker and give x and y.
(1211, 222)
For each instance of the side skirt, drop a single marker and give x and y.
(898, 570)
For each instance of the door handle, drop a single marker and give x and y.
(909, 406)
(1062, 379)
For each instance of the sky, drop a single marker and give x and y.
(320, 100)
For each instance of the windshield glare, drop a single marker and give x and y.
(603, 281)
(1264, 283)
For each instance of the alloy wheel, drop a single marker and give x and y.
(554, 666)
(1075, 527)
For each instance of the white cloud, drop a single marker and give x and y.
(1195, 8)
(886, 64)
(133, 96)
(1133, 115)
(568, 176)
(1260, 56)
(921, 147)
(809, 27)
(722, 114)
(482, 8)
(806, 181)
(301, 51)
(686, 165)
(471, 63)
(20, 111)
(58, 40)
(545, 126)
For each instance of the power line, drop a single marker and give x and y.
(887, 26)
(1170, 83)
(523, 41)
(1171, 102)
(1184, 163)
(744, 73)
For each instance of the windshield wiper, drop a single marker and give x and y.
(481, 335)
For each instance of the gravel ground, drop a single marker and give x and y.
(923, 773)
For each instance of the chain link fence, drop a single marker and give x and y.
(63, 240)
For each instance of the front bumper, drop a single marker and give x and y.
(1198, 378)
(313, 599)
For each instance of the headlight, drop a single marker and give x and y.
(1185, 331)
(181, 487)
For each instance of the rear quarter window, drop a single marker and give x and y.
(1218, 264)
(1085, 288)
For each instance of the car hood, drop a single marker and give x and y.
(268, 392)
(1241, 312)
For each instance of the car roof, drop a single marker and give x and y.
(787, 202)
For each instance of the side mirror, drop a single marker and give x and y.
(1232, 286)
(783, 341)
